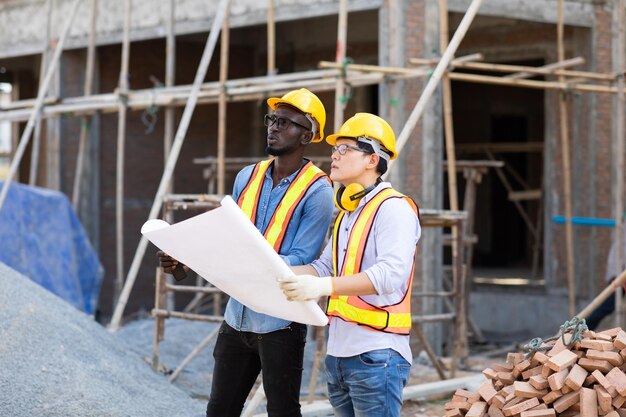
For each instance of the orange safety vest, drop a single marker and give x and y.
(394, 318)
(249, 198)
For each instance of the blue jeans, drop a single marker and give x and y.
(367, 385)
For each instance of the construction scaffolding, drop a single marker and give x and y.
(331, 76)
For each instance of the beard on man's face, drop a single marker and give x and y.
(275, 152)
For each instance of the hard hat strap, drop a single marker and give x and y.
(315, 127)
(376, 145)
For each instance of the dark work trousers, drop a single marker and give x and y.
(606, 308)
(240, 356)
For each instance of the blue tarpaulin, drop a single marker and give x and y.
(41, 237)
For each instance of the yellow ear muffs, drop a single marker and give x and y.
(347, 198)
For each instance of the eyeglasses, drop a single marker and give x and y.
(343, 148)
(283, 122)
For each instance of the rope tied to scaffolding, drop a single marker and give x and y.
(577, 327)
(149, 116)
(394, 102)
(344, 99)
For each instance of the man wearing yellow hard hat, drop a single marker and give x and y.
(298, 195)
(367, 270)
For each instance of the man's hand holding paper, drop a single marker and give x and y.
(235, 257)
(305, 287)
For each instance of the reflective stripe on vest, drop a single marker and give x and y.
(249, 199)
(394, 318)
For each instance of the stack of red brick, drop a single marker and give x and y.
(587, 380)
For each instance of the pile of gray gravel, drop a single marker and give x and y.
(55, 361)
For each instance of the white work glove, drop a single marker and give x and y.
(305, 287)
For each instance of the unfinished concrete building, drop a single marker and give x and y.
(519, 258)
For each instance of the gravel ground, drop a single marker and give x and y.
(56, 361)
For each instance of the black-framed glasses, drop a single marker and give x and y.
(283, 122)
(343, 148)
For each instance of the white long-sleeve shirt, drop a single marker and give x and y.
(387, 261)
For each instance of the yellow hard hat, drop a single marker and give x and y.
(309, 104)
(364, 127)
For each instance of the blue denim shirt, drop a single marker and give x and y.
(301, 245)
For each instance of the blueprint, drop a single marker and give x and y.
(225, 248)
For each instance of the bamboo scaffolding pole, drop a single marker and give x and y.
(168, 128)
(556, 68)
(171, 161)
(201, 346)
(550, 69)
(19, 152)
(447, 119)
(271, 39)
(246, 89)
(320, 338)
(452, 185)
(436, 76)
(45, 52)
(519, 71)
(606, 293)
(160, 295)
(536, 84)
(186, 316)
(340, 57)
(20, 110)
(15, 128)
(182, 89)
(431, 62)
(121, 153)
(419, 72)
(170, 77)
(619, 156)
(177, 96)
(254, 402)
(87, 88)
(221, 110)
(567, 182)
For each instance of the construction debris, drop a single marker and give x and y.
(586, 379)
